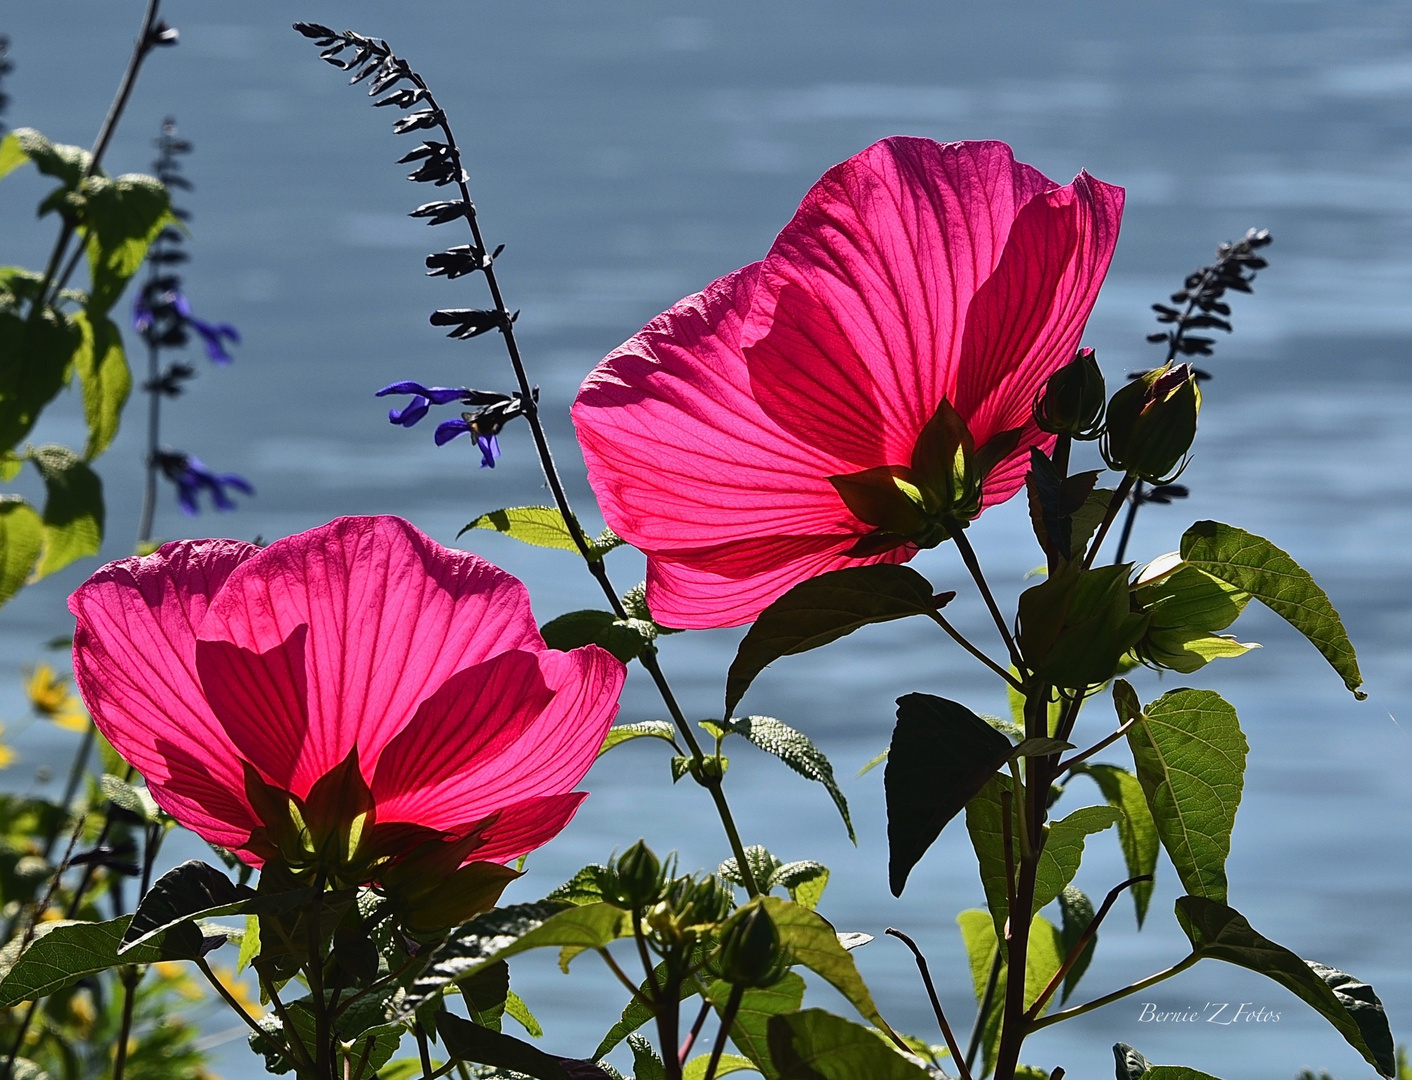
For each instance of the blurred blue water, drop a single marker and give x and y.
(628, 152)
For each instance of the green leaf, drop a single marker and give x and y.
(119, 218)
(941, 755)
(824, 609)
(64, 952)
(1043, 959)
(1190, 757)
(21, 540)
(585, 887)
(542, 526)
(1137, 832)
(752, 1019)
(34, 363)
(695, 1069)
(1040, 747)
(763, 867)
(1076, 911)
(1254, 565)
(621, 733)
(646, 1065)
(812, 941)
(517, 1010)
(816, 1045)
(797, 751)
(73, 511)
(466, 1041)
(65, 163)
(101, 365)
(624, 638)
(805, 880)
(181, 894)
(635, 1013)
(12, 154)
(1222, 933)
(485, 994)
(504, 932)
(135, 800)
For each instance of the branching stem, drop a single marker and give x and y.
(936, 1002)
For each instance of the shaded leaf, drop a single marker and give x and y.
(1256, 566)
(816, 1045)
(1221, 933)
(21, 540)
(805, 880)
(824, 609)
(1076, 911)
(34, 362)
(585, 887)
(749, 1033)
(1137, 832)
(119, 218)
(103, 374)
(1043, 959)
(624, 638)
(797, 751)
(73, 509)
(695, 1069)
(1190, 757)
(941, 755)
(466, 1041)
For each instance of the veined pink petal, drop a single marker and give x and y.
(391, 615)
(135, 665)
(524, 826)
(854, 334)
(547, 754)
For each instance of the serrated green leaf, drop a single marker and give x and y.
(103, 374)
(816, 1045)
(73, 508)
(941, 755)
(517, 1010)
(21, 540)
(646, 1065)
(812, 941)
(585, 887)
(35, 354)
(621, 733)
(504, 932)
(763, 867)
(824, 609)
(1137, 832)
(542, 526)
(1190, 757)
(119, 219)
(1219, 932)
(797, 751)
(1076, 914)
(805, 880)
(466, 1041)
(65, 163)
(749, 1033)
(1256, 566)
(12, 155)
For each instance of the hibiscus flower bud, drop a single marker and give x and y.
(1071, 402)
(636, 879)
(749, 954)
(1152, 422)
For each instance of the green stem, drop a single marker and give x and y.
(973, 1045)
(936, 1002)
(968, 556)
(423, 1050)
(296, 1041)
(1116, 995)
(239, 1010)
(1114, 505)
(727, 1019)
(128, 976)
(965, 643)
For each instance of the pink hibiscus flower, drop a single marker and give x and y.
(861, 393)
(343, 699)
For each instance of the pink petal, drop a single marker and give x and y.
(854, 333)
(547, 756)
(391, 615)
(260, 699)
(476, 716)
(526, 825)
(1026, 319)
(135, 665)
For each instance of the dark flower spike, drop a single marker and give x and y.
(440, 213)
(171, 382)
(191, 476)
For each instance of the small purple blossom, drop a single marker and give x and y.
(212, 334)
(163, 316)
(493, 411)
(191, 476)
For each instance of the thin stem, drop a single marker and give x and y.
(1107, 740)
(1114, 504)
(1082, 943)
(936, 1002)
(957, 637)
(647, 965)
(154, 419)
(968, 556)
(1134, 501)
(1007, 840)
(973, 1045)
(314, 971)
(296, 1041)
(234, 1003)
(622, 975)
(1116, 995)
(423, 1050)
(727, 1019)
(691, 1035)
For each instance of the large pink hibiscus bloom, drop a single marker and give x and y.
(916, 284)
(396, 693)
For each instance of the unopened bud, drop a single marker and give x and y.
(635, 879)
(1152, 422)
(749, 953)
(1071, 402)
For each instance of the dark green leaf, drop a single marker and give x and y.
(757, 1006)
(763, 867)
(624, 638)
(797, 751)
(646, 1065)
(621, 733)
(1131, 1064)
(1076, 911)
(21, 540)
(1137, 832)
(485, 993)
(941, 755)
(192, 889)
(816, 1045)
(1190, 757)
(34, 363)
(73, 510)
(1221, 933)
(824, 609)
(101, 365)
(466, 1041)
(1044, 747)
(812, 941)
(1254, 565)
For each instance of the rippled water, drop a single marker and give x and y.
(629, 152)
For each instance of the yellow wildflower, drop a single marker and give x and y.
(7, 755)
(54, 699)
(175, 975)
(239, 989)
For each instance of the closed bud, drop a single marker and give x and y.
(1071, 402)
(635, 880)
(749, 954)
(1152, 422)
